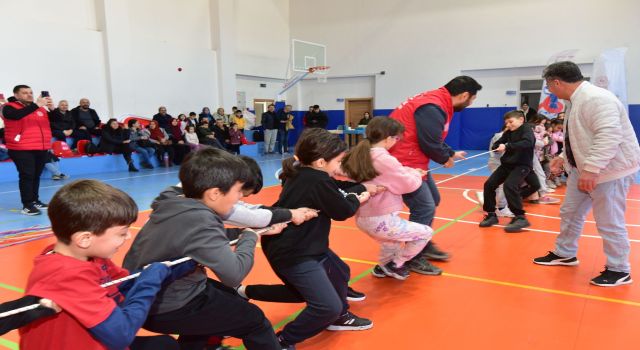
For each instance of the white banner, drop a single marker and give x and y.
(609, 72)
(550, 104)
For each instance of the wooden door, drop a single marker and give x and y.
(354, 109)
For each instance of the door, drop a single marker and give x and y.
(354, 109)
(260, 106)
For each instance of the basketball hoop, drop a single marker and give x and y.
(321, 72)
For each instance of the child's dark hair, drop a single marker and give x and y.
(211, 168)
(513, 114)
(256, 182)
(231, 125)
(89, 205)
(357, 164)
(313, 144)
(131, 122)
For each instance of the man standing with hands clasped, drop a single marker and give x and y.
(601, 156)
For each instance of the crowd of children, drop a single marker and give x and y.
(188, 220)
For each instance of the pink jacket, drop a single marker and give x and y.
(396, 178)
(556, 137)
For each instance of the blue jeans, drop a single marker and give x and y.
(422, 202)
(283, 139)
(323, 285)
(609, 205)
(145, 153)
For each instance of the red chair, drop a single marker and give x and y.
(82, 146)
(61, 149)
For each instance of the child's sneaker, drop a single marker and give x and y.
(551, 184)
(424, 267)
(550, 190)
(30, 210)
(400, 273)
(377, 272)
(552, 259)
(505, 213)
(610, 278)
(350, 322)
(546, 200)
(517, 224)
(480, 196)
(489, 220)
(354, 295)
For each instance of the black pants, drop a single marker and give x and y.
(158, 342)
(29, 165)
(180, 150)
(76, 135)
(512, 177)
(235, 149)
(323, 285)
(217, 311)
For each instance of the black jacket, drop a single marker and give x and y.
(282, 119)
(61, 121)
(164, 121)
(111, 139)
(269, 120)
(317, 190)
(221, 134)
(316, 120)
(94, 116)
(519, 146)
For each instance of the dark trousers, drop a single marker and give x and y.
(422, 205)
(235, 149)
(180, 150)
(76, 135)
(29, 165)
(323, 285)
(283, 139)
(512, 177)
(158, 342)
(217, 311)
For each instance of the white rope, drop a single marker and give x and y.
(126, 278)
(458, 161)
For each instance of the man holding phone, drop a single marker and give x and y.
(28, 137)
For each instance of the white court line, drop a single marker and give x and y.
(457, 176)
(525, 229)
(548, 194)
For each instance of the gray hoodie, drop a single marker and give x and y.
(179, 227)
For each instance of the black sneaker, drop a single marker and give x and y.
(489, 220)
(517, 224)
(354, 295)
(283, 344)
(40, 205)
(552, 259)
(377, 272)
(432, 252)
(422, 266)
(350, 322)
(30, 210)
(610, 278)
(399, 273)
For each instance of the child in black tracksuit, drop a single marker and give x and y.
(517, 143)
(300, 256)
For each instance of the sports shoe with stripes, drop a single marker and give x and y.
(610, 278)
(399, 273)
(350, 322)
(377, 272)
(552, 259)
(354, 295)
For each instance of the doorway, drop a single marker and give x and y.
(354, 109)
(260, 106)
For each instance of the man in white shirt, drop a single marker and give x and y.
(601, 156)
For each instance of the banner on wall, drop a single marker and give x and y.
(609, 73)
(550, 104)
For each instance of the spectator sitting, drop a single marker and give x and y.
(163, 119)
(53, 165)
(220, 115)
(221, 132)
(206, 137)
(176, 134)
(235, 138)
(238, 118)
(115, 140)
(160, 139)
(63, 125)
(140, 143)
(206, 114)
(191, 138)
(86, 118)
(182, 121)
(192, 120)
(366, 118)
(317, 118)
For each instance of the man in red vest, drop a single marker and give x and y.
(28, 137)
(426, 118)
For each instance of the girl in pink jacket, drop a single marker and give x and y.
(401, 240)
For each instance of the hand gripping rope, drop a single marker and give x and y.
(126, 278)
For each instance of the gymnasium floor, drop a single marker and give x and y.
(491, 295)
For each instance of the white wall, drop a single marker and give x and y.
(251, 87)
(311, 92)
(421, 44)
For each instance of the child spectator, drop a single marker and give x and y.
(235, 138)
(176, 134)
(161, 141)
(53, 165)
(115, 140)
(206, 137)
(71, 271)
(401, 241)
(140, 143)
(191, 138)
(517, 143)
(301, 256)
(238, 118)
(187, 222)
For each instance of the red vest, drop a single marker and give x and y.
(34, 130)
(407, 150)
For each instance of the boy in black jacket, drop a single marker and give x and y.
(517, 143)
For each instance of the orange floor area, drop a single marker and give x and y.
(491, 296)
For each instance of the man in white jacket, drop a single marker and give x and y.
(601, 155)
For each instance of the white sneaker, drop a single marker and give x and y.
(480, 196)
(550, 190)
(550, 184)
(505, 213)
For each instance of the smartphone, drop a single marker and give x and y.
(44, 94)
